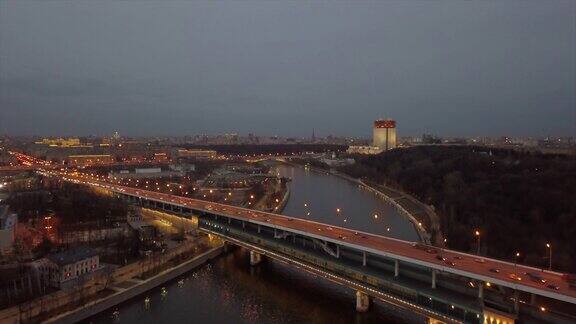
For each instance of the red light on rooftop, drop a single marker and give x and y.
(384, 123)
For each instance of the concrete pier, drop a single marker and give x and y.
(255, 258)
(362, 301)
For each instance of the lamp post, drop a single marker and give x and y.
(516, 263)
(549, 246)
(338, 215)
(477, 233)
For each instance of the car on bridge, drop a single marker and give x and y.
(553, 287)
(535, 277)
(450, 263)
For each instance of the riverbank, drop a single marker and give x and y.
(422, 217)
(139, 287)
(269, 204)
(284, 201)
(108, 283)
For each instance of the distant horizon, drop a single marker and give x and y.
(369, 136)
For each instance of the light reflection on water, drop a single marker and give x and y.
(321, 195)
(229, 290)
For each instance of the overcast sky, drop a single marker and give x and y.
(285, 67)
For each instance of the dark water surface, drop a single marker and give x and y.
(321, 195)
(229, 290)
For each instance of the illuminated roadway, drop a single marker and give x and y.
(465, 265)
(29, 163)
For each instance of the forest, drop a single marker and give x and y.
(518, 201)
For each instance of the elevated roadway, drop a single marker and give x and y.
(470, 266)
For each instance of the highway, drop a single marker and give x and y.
(480, 268)
(30, 163)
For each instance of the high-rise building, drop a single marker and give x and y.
(384, 135)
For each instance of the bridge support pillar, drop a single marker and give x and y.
(516, 305)
(258, 228)
(364, 258)
(255, 258)
(396, 268)
(532, 299)
(243, 224)
(337, 251)
(433, 279)
(434, 321)
(229, 220)
(480, 290)
(362, 301)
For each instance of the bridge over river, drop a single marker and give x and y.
(444, 285)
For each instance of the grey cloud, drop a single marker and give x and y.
(177, 67)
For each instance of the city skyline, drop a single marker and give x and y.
(283, 69)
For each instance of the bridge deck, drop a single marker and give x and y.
(464, 264)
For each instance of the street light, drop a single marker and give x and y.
(516, 263)
(549, 246)
(477, 233)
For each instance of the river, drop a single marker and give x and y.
(229, 290)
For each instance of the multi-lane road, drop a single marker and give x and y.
(486, 270)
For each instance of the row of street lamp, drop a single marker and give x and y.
(345, 220)
(517, 255)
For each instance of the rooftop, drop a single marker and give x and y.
(71, 256)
